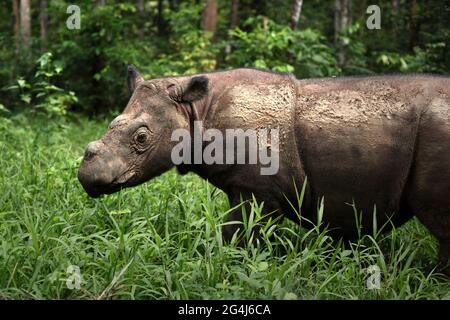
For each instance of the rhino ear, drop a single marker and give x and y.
(196, 89)
(134, 77)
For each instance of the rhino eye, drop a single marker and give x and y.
(141, 138)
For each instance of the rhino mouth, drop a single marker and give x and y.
(125, 180)
(98, 191)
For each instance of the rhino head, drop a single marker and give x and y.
(137, 145)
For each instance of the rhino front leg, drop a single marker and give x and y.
(235, 220)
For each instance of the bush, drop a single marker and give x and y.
(423, 60)
(40, 93)
(269, 45)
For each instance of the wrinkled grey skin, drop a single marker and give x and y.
(381, 141)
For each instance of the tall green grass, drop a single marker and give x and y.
(162, 240)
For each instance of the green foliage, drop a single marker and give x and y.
(3, 109)
(95, 57)
(191, 49)
(413, 37)
(40, 93)
(269, 45)
(423, 60)
(356, 58)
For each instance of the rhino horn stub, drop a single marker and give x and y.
(120, 119)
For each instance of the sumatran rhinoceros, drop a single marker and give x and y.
(376, 142)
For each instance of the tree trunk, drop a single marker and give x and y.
(141, 18)
(43, 21)
(160, 21)
(296, 11)
(96, 66)
(341, 16)
(234, 22)
(209, 19)
(349, 13)
(173, 4)
(260, 7)
(234, 17)
(414, 24)
(25, 22)
(395, 6)
(341, 22)
(15, 9)
(395, 19)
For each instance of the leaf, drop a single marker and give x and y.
(345, 253)
(13, 87)
(290, 296)
(22, 83)
(25, 98)
(404, 65)
(119, 212)
(262, 266)
(4, 109)
(260, 64)
(249, 280)
(384, 59)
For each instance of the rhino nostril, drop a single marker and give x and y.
(88, 155)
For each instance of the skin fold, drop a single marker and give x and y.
(379, 142)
